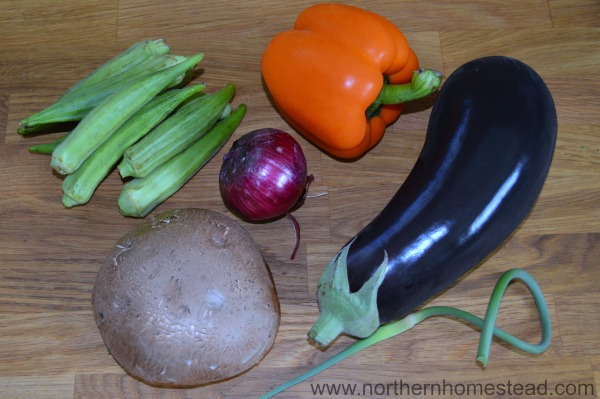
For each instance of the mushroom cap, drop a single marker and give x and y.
(186, 299)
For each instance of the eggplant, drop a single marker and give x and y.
(488, 148)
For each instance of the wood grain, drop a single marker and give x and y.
(49, 255)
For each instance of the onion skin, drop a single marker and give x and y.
(264, 175)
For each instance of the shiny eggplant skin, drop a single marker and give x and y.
(487, 152)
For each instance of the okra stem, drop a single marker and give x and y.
(188, 124)
(46, 148)
(140, 196)
(79, 186)
(104, 119)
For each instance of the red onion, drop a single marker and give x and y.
(263, 176)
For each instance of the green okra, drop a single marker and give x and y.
(79, 186)
(102, 121)
(188, 124)
(136, 54)
(75, 104)
(46, 148)
(140, 196)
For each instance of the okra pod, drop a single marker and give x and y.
(136, 54)
(104, 119)
(140, 196)
(79, 186)
(74, 105)
(188, 124)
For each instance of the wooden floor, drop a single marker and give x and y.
(49, 255)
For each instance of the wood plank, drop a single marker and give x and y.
(52, 344)
(575, 13)
(49, 255)
(27, 22)
(40, 386)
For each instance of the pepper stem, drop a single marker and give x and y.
(424, 83)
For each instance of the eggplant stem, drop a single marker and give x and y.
(487, 325)
(296, 233)
(356, 312)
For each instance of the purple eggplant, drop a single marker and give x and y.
(489, 145)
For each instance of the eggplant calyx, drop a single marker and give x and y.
(344, 312)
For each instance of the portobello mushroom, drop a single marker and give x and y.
(186, 299)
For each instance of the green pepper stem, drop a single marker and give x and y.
(487, 325)
(424, 83)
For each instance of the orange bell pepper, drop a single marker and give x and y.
(341, 76)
